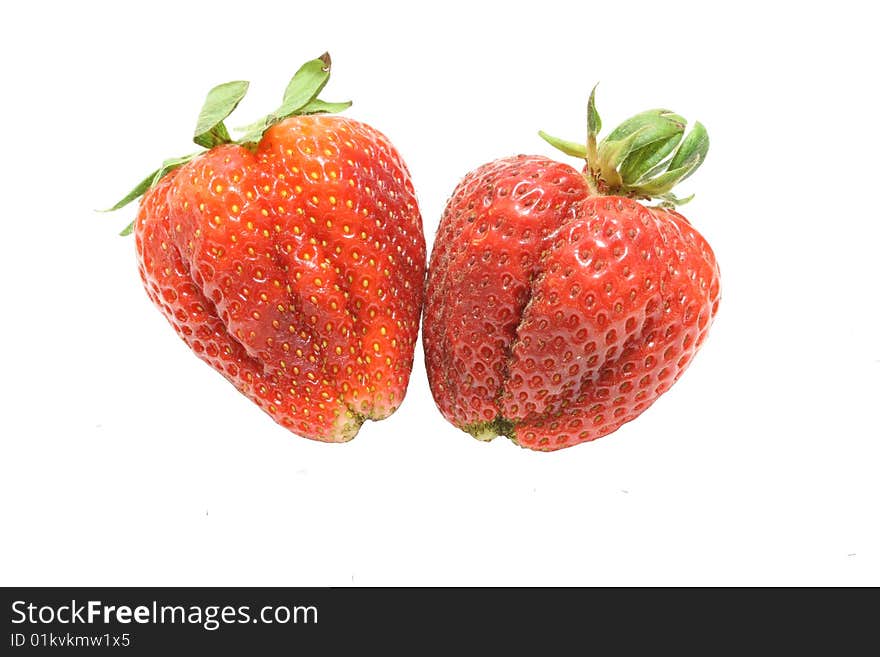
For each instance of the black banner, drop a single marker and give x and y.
(242, 620)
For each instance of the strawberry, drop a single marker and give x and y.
(559, 305)
(291, 260)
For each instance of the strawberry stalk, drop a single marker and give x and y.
(300, 97)
(642, 158)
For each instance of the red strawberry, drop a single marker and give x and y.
(558, 305)
(292, 260)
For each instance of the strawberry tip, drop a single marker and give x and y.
(487, 431)
(350, 428)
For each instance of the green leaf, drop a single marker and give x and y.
(653, 172)
(145, 184)
(641, 160)
(612, 152)
(170, 165)
(304, 87)
(687, 159)
(300, 97)
(696, 143)
(655, 118)
(594, 123)
(594, 126)
(637, 145)
(128, 230)
(318, 106)
(673, 200)
(662, 132)
(137, 192)
(219, 104)
(253, 131)
(663, 183)
(215, 137)
(568, 147)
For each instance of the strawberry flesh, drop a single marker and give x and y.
(553, 316)
(295, 270)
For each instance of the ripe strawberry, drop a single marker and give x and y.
(291, 260)
(559, 306)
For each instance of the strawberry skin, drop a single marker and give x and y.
(294, 268)
(554, 315)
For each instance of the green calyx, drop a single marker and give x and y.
(644, 157)
(300, 98)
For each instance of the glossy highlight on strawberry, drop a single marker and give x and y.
(558, 305)
(292, 261)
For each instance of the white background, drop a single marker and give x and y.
(126, 460)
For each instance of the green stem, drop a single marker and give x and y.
(591, 183)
